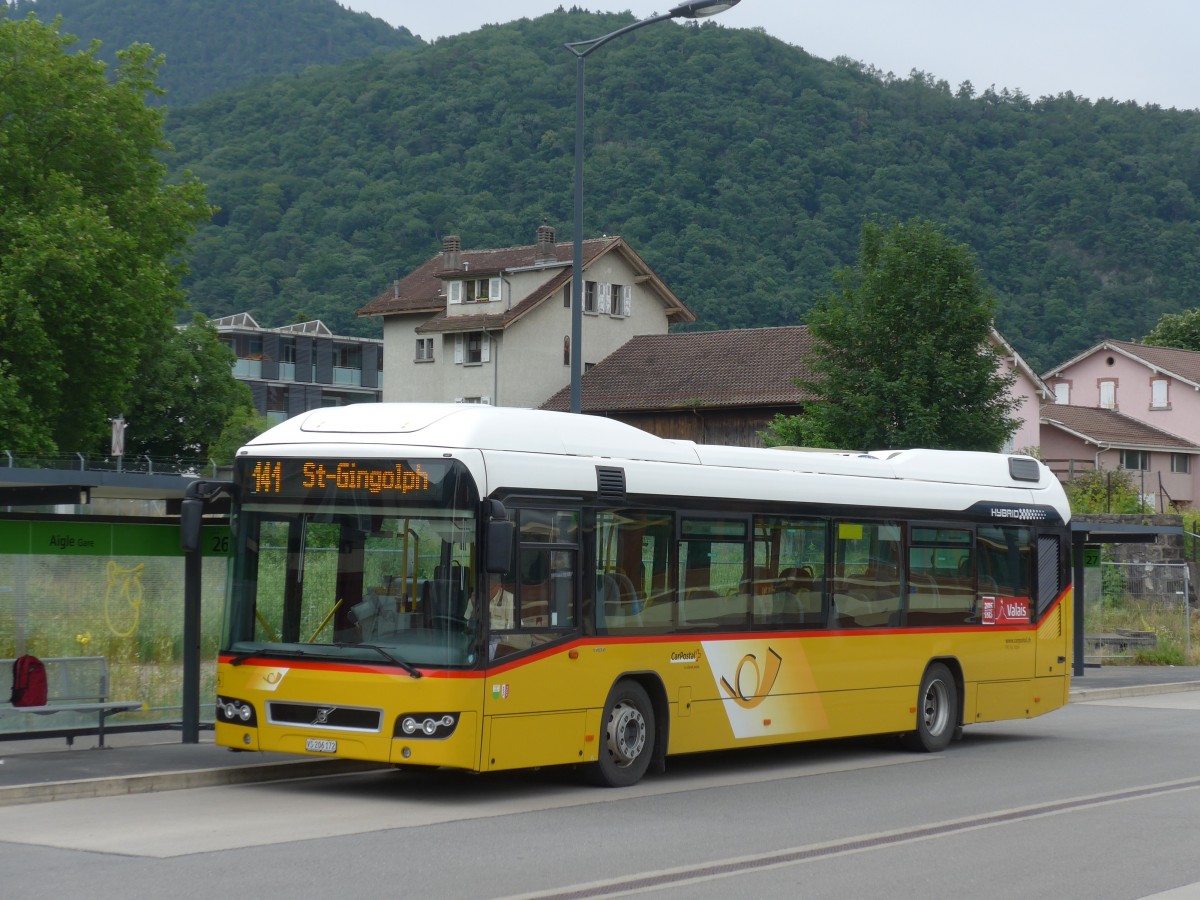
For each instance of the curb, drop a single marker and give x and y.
(1082, 695)
(115, 786)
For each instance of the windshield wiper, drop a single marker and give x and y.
(242, 655)
(407, 667)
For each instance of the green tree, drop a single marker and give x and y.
(90, 234)
(185, 394)
(902, 356)
(19, 427)
(242, 427)
(1181, 330)
(1104, 491)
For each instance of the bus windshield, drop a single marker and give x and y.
(369, 560)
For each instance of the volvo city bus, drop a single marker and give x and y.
(491, 588)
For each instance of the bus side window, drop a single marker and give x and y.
(634, 589)
(866, 582)
(544, 584)
(1005, 560)
(789, 566)
(940, 567)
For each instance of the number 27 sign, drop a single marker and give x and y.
(1005, 610)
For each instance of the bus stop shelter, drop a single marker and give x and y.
(1086, 539)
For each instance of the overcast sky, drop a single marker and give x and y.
(1143, 51)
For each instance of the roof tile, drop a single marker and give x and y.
(698, 369)
(1108, 426)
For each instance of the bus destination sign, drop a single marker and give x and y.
(297, 477)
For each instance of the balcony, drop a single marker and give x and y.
(343, 375)
(247, 368)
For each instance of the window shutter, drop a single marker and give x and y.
(627, 300)
(605, 298)
(454, 291)
(458, 348)
(494, 289)
(485, 345)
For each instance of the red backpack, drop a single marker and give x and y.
(29, 681)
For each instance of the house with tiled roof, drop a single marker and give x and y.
(494, 326)
(713, 387)
(1158, 387)
(1078, 439)
(725, 387)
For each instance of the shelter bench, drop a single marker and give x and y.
(74, 684)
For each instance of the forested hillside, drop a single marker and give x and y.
(213, 45)
(740, 167)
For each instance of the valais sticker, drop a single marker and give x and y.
(1005, 610)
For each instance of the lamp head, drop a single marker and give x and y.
(699, 9)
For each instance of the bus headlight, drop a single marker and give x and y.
(430, 725)
(235, 711)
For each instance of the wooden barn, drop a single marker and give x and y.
(712, 387)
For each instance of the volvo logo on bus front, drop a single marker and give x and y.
(323, 715)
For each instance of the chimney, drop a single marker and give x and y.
(450, 247)
(545, 245)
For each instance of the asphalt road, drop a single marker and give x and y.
(1099, 800)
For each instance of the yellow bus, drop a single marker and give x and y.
(488, 588)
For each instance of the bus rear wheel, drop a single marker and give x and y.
(627, 737)
(937, 712)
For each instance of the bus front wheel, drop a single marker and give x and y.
(937, 712)
(627, 737)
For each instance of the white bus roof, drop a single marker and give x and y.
(530, 431)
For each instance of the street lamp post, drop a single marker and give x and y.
(696, 9)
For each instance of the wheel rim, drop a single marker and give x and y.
(935, 712)
(626, 733)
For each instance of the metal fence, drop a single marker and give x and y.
(142, 464)
(1137, 607)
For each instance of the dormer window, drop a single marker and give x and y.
(473, 290)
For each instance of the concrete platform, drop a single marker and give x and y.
(34, 771)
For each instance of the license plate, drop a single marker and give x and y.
(318, 745)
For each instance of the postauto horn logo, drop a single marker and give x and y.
(763, 679)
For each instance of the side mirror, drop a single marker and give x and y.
(497, 538)
(191, 516)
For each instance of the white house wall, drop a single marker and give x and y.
(526, 364)
(405, 379)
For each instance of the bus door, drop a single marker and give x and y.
(534, 696)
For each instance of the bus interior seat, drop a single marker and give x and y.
(630, 602)
(700, 605)
(449, 591)
(616, 596)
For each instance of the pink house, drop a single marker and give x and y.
(1030, 392)
(1130, 406)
